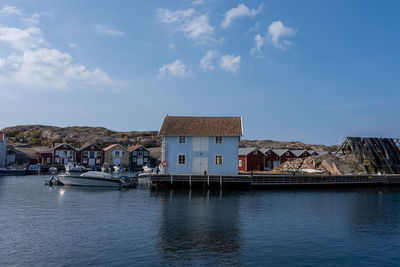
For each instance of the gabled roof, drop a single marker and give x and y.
(202, 126)
(244, 151)
(131, 148)
(265, 151)
(89, 146)
(57, 146)
(113, 145)
(280, 152)
(298, 152)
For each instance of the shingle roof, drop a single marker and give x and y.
(280, 152)
(109, 147)
(244, 151)
(202, 126)
(297, 152)
(130, 149)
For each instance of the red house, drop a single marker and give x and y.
(301, 153)
(45, 155)
(284, 155)
(64, 153)
(90, 156)
(271, 159)
(251, 159)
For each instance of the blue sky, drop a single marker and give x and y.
(294, 70)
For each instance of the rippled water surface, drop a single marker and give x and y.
(47, 226)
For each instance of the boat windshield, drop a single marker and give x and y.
(97, 174)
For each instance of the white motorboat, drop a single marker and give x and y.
(93, 178)
(74, 167)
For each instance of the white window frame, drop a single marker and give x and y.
(146, 153)
(184, 155)
(179, 139)
(219, 141)
(240, 163)
(134, 153)
(222, 159)
(255, 152)
(287, 154)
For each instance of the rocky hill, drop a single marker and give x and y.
(40, 135)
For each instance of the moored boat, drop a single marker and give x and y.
(74, 167)
(93, 178)
(12, 171)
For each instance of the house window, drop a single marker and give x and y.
(269, 164)
(57, 160)
(134, 153)
(134, 159)
(255, 152)
(85, 153)
(98, 161)
(116, 153)
(84, 161)
(182, 139)
(140, 154)
(269, 152)
(146, 153)
(145, 160)
(240, 163)
(218, 139)
(91, 147)
(218, 159)
(181, 159)
(48, 160)
(287, 154)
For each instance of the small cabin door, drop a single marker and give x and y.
(199, 165)
(91, 162)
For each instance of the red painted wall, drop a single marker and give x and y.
(271, 157)
(255, 162)
(243, 167)
(287, 156)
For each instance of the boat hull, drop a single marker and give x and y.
(89, 181)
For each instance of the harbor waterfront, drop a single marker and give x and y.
(60, 225)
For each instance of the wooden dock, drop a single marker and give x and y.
(272, 180)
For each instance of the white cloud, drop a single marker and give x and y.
(48, 68)
(230, 63)
(195, 26)
(259, 42)
(277, 30)
(198, 2)
(33, 64)
(10, 10)
(32, 20)
(103, 30)
(240, 11)
(176, 68)
(22, 38)
(206, 63)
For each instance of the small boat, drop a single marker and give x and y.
(74, 167)
(93, 178)
(12, 171)
(34, 168)
(53, 170)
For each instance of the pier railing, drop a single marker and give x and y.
(276, 179)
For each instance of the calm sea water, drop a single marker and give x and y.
(73, 226)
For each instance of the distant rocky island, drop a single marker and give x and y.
(78, 136)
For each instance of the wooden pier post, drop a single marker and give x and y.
(171, 179)
(220, 181)
(208, 180)
(190, 180)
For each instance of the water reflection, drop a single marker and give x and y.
(197, 227)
